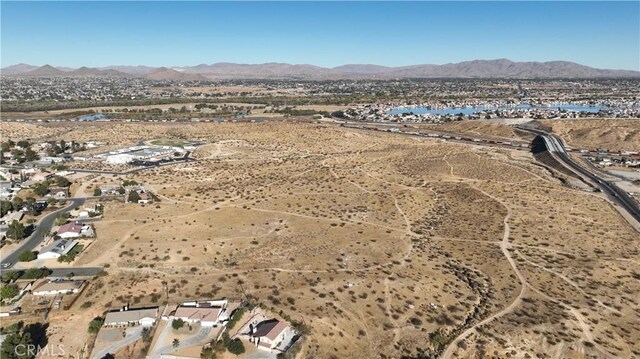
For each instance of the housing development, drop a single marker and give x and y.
(409, 210)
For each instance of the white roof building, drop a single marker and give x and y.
(121, 158)
(10, 217)
(145, 317)
(57, 249)
(57, 287)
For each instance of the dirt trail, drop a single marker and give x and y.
(504, 246)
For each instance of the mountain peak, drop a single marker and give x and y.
(495, 68)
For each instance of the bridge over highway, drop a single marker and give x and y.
(620, 197)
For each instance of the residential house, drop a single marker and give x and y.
(6, 189)
(268, 334)
(57, 249)
(41, 176)
(109, 189)
(74, 230)
(65, 173)
(58, 192)
(125, 316)
(207, 313)
(10, 217)
(145, 196)
(55, 287)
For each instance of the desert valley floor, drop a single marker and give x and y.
(382, 244)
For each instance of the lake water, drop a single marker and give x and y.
(472, 110)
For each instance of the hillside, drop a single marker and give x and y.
(500, 68)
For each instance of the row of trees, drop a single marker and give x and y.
(18, 204)
(20, 151)
(31, 273)
(8, 145)
(42, 188)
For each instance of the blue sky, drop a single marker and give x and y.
(599, 34)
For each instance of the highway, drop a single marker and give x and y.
(620, 197)
(553, 144)
(43, 227)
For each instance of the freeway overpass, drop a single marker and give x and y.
(618, 196)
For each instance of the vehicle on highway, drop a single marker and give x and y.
(5, 265)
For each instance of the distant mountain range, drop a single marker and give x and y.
(501, 68)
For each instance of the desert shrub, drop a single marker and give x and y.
(95, 324)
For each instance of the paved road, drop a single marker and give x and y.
(620, 197)
(133, 334)
(134, 170)
(43, 227)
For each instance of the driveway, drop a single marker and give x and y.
(200, 337)
(260, 354)
(133, 335)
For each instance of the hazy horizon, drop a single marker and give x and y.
(277, 62)
(325, 34)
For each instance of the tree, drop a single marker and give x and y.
(95, 325)
(177, 323)
(11, 276)
(9, 291)
(15, 344)
(23, 143)
(27, 256)
(40, 188)
(17, 203)
(97, 192)
(133, 197)
(207, 353)
(31, 155)
(129, 183)
(234, 346)
(5, 207)
(18, 155)
(16, 230)
(146, 335)
(62, 218)
(6, 146)
(36, 273)
(176, 342)
(62, 182)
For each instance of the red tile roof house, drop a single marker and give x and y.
(268, 334)
(75, 230)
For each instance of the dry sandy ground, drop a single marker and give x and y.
(611, 134)
(375, 241)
